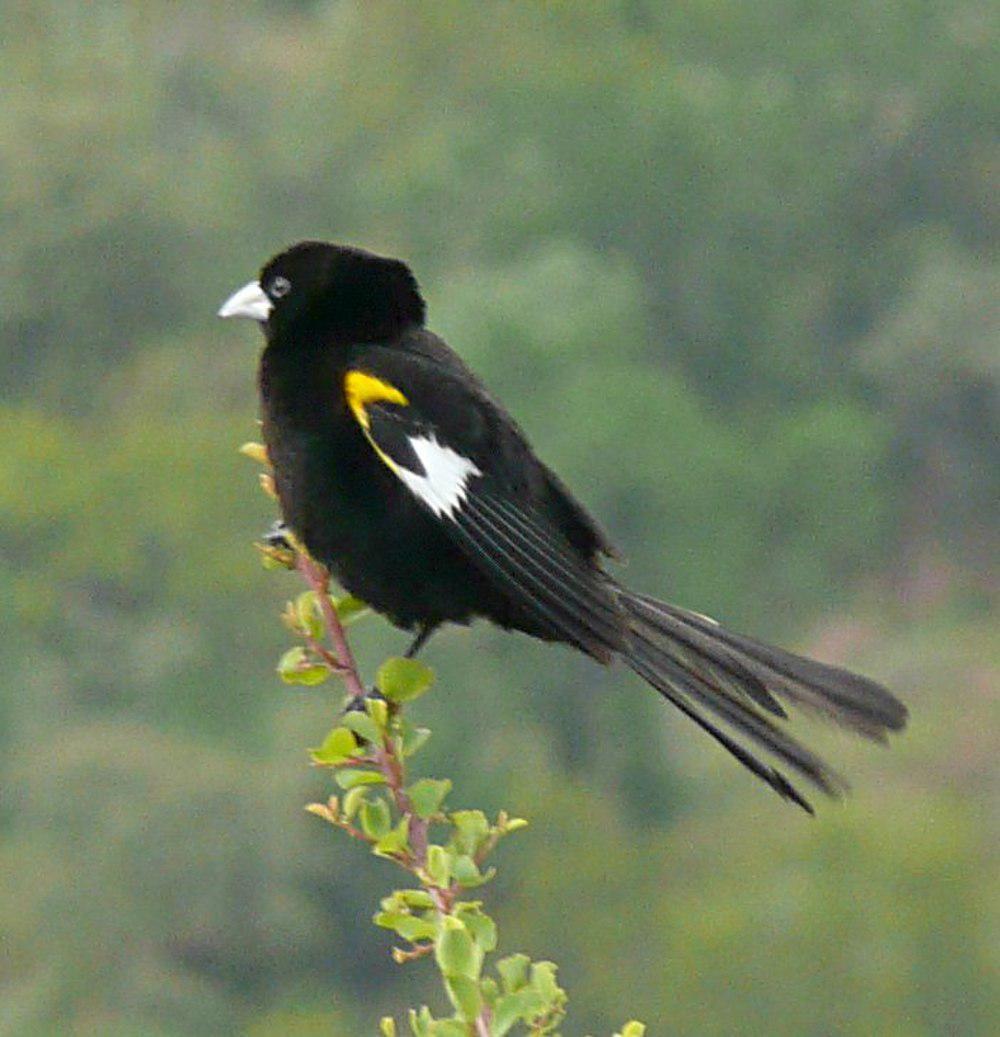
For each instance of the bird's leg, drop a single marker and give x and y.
(359, 705)
(423, 635)
(418, 642)
(319, 580)
(277, 537)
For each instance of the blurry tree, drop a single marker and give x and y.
(733, 267)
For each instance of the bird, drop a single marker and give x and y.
(398, 471)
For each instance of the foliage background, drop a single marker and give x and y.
(734, 267)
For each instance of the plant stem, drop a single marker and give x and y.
(319, 580)
(341, 662)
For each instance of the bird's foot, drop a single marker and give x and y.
(359, 704)
(276, 546)
(277, 537)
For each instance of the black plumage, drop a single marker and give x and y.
(402, 474)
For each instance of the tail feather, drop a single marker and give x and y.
(766, 773)
(847, 698)
(695, 663)
(705, 684)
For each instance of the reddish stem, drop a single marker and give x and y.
(345, 826)
(418, 950)
(327, 656)
(341, 661)
(319, 580)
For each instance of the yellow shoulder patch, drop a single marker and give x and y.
(361, 389)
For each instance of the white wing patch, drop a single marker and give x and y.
(445, 483)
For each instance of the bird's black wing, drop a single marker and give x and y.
(426, 355)
(461, 457)
(468, 466)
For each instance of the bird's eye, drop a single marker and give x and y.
(279, 286)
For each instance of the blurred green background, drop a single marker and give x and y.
(733, 265)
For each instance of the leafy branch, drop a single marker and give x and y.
(444, 851)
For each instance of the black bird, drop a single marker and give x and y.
(398, 470)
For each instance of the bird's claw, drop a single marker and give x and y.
(358, 702)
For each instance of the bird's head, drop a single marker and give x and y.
(319, 293)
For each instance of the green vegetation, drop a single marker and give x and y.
(732, 265)
(369, 752)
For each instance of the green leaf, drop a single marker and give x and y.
(414, 738)
(351, 779)
(272, 560)
(378, 710)
(490, 989)
(524, 1006)
(464, 869)
(415, 898)
(296, 666)
(448, 1028)
(466, 872)
(393, 904)
(307, 614)
(455, 951)
(514, 972)
(543, 979)
(349, 609)
(394, 841)
(427, 795)
(632, 1029)
(471, 830)
(482, 927)
(506, 1013)
(465, 995)
(415, 929)
(410, 927)
(387, 1026)
(403, 680)
(338, 747)
(438, 866)
(419, 1022)
(375, 818)
(352, 801)
(362, 725)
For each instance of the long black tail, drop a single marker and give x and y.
(698, 665)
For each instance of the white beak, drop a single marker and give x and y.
(250, 301)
